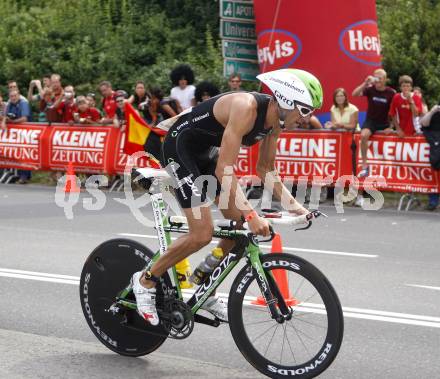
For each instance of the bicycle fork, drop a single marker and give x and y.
(278, 308)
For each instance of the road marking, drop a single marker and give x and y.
(327, 252)
(359, 313)
(420, 286)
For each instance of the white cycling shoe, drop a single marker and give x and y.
(145, 300)
(216, 307)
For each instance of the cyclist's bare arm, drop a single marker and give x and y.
(241, 120)
(266, 171)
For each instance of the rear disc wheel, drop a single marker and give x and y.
(106, 272)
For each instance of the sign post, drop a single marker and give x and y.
(237, 31)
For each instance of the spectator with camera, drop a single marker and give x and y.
(66, 105)
(40, 86)
(108, 102)
(85, 114)
(17, 111)
(405, 107)
(182, 77)
(379, 97)
(343, 114)
(430, 123)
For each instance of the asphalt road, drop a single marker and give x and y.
(384, 266)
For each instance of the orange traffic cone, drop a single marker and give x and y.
(70, 184)
(280, 277)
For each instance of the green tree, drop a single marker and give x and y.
(410, 36)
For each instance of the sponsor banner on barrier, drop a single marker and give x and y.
(313, 155)
(404, 163)
(85, 147)
(20, 146)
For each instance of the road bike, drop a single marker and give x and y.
(282, 334)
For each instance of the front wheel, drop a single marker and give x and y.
(307, 342)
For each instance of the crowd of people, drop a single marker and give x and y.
(404, 112)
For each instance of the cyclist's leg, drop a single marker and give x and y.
(200, 234)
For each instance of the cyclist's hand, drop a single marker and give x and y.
(299, 211)
(259, 226)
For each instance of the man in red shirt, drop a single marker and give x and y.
(405, 107)
(85, 114)
(109, 105)
(67, 106)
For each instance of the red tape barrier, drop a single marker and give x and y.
(301, 155)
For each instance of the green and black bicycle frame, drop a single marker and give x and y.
(246, 245)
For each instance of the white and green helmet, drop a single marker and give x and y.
(292, 85)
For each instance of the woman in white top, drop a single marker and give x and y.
(343, 114)
(182, 78)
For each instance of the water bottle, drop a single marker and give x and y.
(183, 269)
(207, 266)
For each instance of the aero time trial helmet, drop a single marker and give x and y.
(292, 87)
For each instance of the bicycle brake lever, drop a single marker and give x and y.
(309, 224)
(313, 214)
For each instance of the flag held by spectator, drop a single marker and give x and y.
(138, 131)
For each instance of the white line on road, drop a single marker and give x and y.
(420, 286)
(366, 314)
(329, 252)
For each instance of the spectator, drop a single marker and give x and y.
(55, 83)
(46, 106)
(405, 106)
(17, 111)
(205, 90)
(234, 82)
(108, 102)
(182, 78)
(165, 107)
(2, 108)
(343, 114)
(418, 91)
(379, 97)
(431, 129)
(84, 113)
(91, 98)
(67, 106)
(37, 84)
(309, 122)
(140, 100)
(119, 118)
(51, 107)
(13, 86)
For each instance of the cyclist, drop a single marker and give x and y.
(227, 121)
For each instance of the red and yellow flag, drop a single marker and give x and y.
(137, 131)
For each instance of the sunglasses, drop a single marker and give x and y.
(303, 110)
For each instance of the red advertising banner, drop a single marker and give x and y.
(311, 154)
(404, 163)
(337, 41)
(85, 147)
(20, 147)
